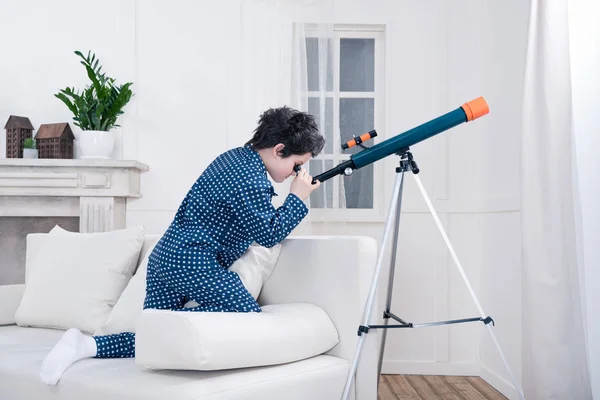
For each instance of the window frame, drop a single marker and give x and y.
(377, 213)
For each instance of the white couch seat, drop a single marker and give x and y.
(23, 350)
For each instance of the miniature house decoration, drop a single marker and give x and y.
(17, 130)
(55, 140)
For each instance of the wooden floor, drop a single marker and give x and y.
(419, 387)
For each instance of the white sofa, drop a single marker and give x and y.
(333, 273)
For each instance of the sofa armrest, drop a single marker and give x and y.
(334, 273)
(10, 298)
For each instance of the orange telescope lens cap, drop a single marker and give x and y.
(476, 108)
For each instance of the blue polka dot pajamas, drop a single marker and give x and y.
(227, 209)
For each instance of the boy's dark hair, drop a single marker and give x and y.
(295, 129)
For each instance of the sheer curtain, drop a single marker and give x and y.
(261, 62)
(584, 34)
(312, 79)
(273, 67)
(555, 363)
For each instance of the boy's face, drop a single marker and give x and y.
(281, 168)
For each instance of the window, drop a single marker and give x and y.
(354, 104)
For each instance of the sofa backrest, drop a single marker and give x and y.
(334, 273)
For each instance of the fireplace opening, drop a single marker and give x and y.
(13, 235)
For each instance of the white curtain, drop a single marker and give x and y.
(555, 362)
(584, 34)
(312, 79)
(263, 60)
(273, 62)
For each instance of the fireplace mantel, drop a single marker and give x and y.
(96, 191)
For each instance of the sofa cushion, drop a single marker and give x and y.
(23, 349)
(254, 268)
(184, 340)
(76, 278)
(126, 312)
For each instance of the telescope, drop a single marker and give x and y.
(399, 144)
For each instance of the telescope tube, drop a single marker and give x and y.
(467, 112)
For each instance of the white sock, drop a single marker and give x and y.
(72, 347)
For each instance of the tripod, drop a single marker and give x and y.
(407, 163)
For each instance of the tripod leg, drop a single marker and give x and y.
(390, 288)
(373, 288)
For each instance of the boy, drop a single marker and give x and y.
(227, 209)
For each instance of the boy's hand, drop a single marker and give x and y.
(302, 185)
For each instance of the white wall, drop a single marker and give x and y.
(500, 60)
(38, 40)
(439, 54)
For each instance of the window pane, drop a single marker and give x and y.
(322, 198)
(313, 66)
(357, 189)
(314, 109)
(357, 116)
(357, 65)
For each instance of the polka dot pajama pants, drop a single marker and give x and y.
(203, 281)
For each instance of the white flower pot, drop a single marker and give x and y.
(30, 153)
(96, 144)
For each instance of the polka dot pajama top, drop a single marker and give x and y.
(227, 209)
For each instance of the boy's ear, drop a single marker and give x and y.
(277, 149)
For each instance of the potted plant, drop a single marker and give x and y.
(96, 108)
(29, 150)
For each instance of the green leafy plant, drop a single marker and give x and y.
(29, 143)
(99, 105)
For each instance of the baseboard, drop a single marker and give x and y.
(430, 368)
(501, 385)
